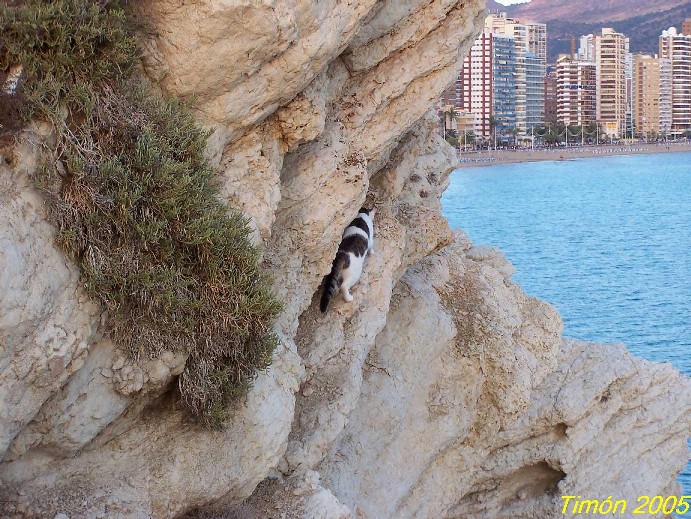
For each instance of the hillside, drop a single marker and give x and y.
(566, 18)
(643, 30)
(588, 11)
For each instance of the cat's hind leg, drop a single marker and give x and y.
(349, 279)
(351, 276)
(346, 293)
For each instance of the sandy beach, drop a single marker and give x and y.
(492, 157)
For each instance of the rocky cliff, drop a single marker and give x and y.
(441, 391)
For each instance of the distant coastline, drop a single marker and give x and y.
(493, 157)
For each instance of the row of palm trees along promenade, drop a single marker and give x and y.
(545, 136)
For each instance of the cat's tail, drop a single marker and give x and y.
(333, 281)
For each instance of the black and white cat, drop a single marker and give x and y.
(357, 241)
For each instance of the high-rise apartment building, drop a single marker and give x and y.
(665, 96)
(537, 40)
(567, 90)
(629, 90)
(488, 83)
(610, 57)
(576, 91)
(504, 82)
(652, 103)
(449, 97)
(586, 49)
(501, 85)
(686, 27)
(535, 91)
(519, 33)
(551, 97)
(475, 80)
(501, 24)
(677, 49)
(531, 47)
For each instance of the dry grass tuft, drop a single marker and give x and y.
(136, 204)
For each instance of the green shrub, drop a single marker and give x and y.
(67, 48)
(136, 204)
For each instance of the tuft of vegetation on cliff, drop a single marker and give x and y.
(135, 202)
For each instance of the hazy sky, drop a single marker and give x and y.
(509, 2)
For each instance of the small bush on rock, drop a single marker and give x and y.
(136, 204)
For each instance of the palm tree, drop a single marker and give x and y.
(514, 132)
(452, 138)
(493, 124)
(469, 137)
(549, 133)
(573, 131)
(452, 114)
(445, 115)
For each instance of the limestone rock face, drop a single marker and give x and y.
(46, 322)
(505, 417)
(442, 390)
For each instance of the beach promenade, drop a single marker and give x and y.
(509, 156)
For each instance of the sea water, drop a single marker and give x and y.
(607, 241)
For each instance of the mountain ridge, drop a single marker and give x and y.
(587, 11)
(589, 16)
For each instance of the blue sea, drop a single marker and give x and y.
(607, 241)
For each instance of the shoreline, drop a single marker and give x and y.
(496, 157)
